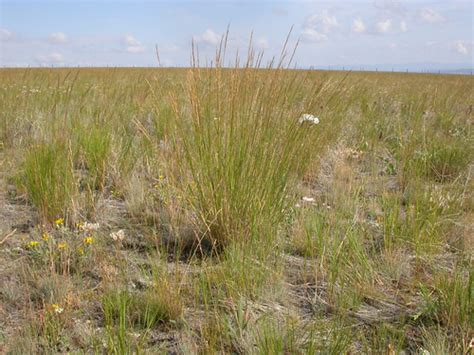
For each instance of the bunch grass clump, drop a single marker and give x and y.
(47, 176)
(240, 143)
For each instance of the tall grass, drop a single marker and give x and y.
(95, 146)
(239, 143)
(47, 177)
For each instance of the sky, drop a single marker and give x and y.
(354, 33)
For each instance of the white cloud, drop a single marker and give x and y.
(311, 35)
(5, 34)
(403, 26)
(358, 26)
(383, 26)
(131, 41)
(53, 58)
(58, 37)
(461, 47)
(209, 37)
(323, 21)
(132, 45)
(318, 26)
(431, 16)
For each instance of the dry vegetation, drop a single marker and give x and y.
(188, 211)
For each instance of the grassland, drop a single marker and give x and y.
(188, 211)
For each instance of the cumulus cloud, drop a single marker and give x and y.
(318, 26)
(431, 16)
(311, 35)
(383, 26)
(132, 45)
(53, 58)
(358, 26)
(5, 34)
(209, 37)
(131, 41)
(58, 38)
(403, 26)
(461, 47)
(323, 21)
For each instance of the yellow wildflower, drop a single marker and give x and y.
(33, 244)
(80, 251)
(59, 222)
(45, 236)
(88, 240)
(62, 246)
(57, 308)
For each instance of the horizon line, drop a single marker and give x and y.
(343, 68)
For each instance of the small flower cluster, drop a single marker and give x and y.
(89, 227)
(59, 222)
(57, 308)
(118, 236)
(308, 118)
(59, 239)
(32, 244)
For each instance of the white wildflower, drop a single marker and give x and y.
(308, 199)
(313, 120)
(118, 236)
(90, 227)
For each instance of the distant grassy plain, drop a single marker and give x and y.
(188, 211)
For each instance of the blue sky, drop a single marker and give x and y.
(331, 33)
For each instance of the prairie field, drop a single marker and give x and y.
(198, 210)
